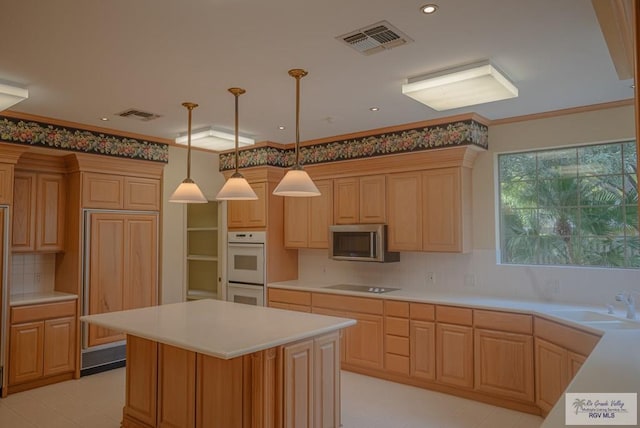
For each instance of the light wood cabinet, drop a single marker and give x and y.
(404, 203)
(142, 387)
(423, 349)
(289, 299)
(396, 339)
(299, 385)
(6, 183)
(360, 200)
(551, 373)
(454, 355)
(117, 192)
(42, 342)
(249, 214)
(123, 267)
(307, 220)
(38, 212)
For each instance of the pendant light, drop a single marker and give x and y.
(188, 191)
(296, 181)
(236, 188)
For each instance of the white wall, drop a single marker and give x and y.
(477, 272)
(204, 171)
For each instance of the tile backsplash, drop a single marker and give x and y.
(32, 273)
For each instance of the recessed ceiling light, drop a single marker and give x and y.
(282, 127)
(104, 119)
(428, 9)
(374, 108)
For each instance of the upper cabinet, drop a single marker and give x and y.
(359, 200)
(249, 214)
(6, 183)
(38, 212)
(307, 220)
(110, 191)
(430, 210)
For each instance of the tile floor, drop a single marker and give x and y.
(96, 401)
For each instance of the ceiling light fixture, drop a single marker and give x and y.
(214, 139)
(282, 128)
(236, 188)
(374, 108)
(467, 85)
(188, 191)
(296, 181)
(104, 119)
(11, 95)
(428, 9)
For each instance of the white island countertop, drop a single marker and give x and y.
(221, 329)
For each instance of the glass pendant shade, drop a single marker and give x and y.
(188, 192)
(237, 188)
(296, 183)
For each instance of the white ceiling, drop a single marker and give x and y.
(85, 59)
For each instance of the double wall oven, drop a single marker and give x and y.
(246, 274)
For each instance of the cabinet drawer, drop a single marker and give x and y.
(102, 191)
(396, 309)
(290, 307)
(396, 326)
(20, 314)
(505, 321)
(422, 312)
(397, 363)
(567, 337)
(454, 315)
(289, 296)
(397, 345)
(347, 303)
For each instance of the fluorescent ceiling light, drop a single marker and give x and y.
(463, 86)
(11, 95)
(212, 139)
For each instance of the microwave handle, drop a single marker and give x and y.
(372, 250)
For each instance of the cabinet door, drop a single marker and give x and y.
(24, 212)
(372, 199)
(299, 385)
(25, 352)
(50, 212)
(106, 272)
(102, 191)
(141, 194)
(244, 214)
(296, 222)
(404, 203)
(320, 215)
(141, 391)
(346, 200)
(176, 387)
(454, 346)
(575, 362)
(363, 341)
(327, 380)
(140, 261)
(504, 364)
(59, 345)
(551, 373)
(6, 183)
(441, 210)
(423, 349)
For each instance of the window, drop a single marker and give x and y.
(572, 206)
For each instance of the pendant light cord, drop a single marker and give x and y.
(236, 92)
(298, 74)
(190, 107)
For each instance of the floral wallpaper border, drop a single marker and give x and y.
(42, 134)
(461, 133)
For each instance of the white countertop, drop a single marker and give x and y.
(23, 299)
(613, 366)
(218, 328)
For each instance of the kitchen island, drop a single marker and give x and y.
(211, 363)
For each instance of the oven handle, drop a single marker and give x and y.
(244, 245)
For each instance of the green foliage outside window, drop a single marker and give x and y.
(572, 206)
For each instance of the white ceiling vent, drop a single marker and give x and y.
(375, 38)
(134, 113)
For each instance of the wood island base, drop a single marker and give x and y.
(293, 385)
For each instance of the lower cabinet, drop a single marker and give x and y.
(454, 355)
(42, 344)
(422, 337)
(551, 373)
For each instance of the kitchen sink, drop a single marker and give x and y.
(583, 316)
(362, 288)
(613, 325)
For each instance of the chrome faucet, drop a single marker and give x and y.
(629, 301)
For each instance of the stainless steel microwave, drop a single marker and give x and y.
(360, 242)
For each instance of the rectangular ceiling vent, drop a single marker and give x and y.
(134, 113)
(375, 38)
